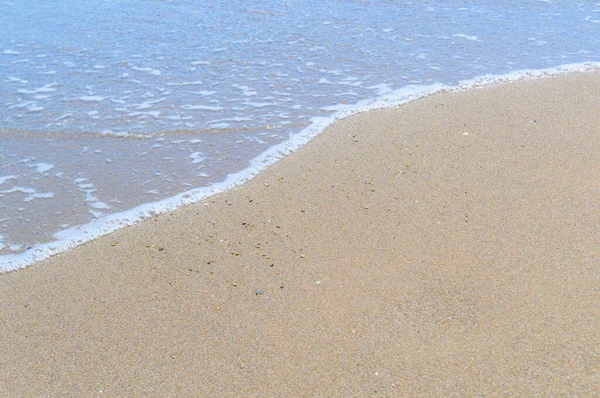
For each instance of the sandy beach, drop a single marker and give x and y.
(448, 247)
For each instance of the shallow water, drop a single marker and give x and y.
(107, 106)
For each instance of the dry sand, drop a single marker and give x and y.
(447, 247)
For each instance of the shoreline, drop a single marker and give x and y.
(72, 237)
(445, 247)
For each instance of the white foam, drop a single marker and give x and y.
(232, 119)
(92, 98)
(154, 72)
(3, 179)
(46, 195)
(203, 93)
(45, 89)
(19, 190)
(196, 157)
(149, 113)
(66, 115)
(259, 104)
(42, 167)
(219, 125)
(202, 107)
(88, 189)
(186, 83)
(16, 79)
(467, 37)
(100, 205)
(148, 104)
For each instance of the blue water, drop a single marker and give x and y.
(108, 105)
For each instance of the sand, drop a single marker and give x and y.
(446, 247)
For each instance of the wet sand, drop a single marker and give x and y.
(447, 247)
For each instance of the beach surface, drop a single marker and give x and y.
(446, 247)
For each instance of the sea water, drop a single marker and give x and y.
(115, 110)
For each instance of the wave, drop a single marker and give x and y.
(388, 98)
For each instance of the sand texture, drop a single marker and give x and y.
(449, 247)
